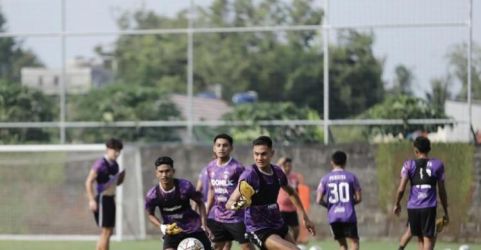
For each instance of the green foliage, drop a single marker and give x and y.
(403, 107)
(288, 62)
(21, 104)
(458, 160)
(458, 70)
(275, 111)
(124, 103)
(12, 57)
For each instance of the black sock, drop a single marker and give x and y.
(401, 248)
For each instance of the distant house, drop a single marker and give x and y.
(460, 132)
(203, 109)
(81, 76)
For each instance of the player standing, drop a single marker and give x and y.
(223, 174)
(424, 173)
(105, 173)
(172, 196)
(263, 219)
(287, 208)
(339, 191)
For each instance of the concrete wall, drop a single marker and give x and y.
(312, 161)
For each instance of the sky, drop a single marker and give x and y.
(421, 49)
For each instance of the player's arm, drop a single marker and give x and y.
(121, 178)
(210, 198)
(234, 197)
(297, 202)
(89, 182)
(444, 198)
(203, 214)
(357, 197)
(399, 195)
(320, 199)
(154, 219)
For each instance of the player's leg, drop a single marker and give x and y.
(351, 234)
(104, 240)
(353, 243)
(220, 236)
(428, 243)
(405, 238)
(276, 242)
(237, 232)
(228, 245)
(342, 243)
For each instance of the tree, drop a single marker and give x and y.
(125, 103)
(403, 81)
(21, 104)
(288, 62)
(12, 57)
(439, 93)
(402, 107)
(458, 70)
(284, 111)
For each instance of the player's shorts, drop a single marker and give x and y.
(172, 241)
(290, 218)
(422, 221)
(105, 214)
(227, 231)
(342, 230)
(259, 237)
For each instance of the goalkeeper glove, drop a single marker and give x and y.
(170, 229)
(246, 191)
(441, 223)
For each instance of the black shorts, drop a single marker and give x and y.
(422, 221)
(259, 237)
(105, 214)
(342, 230)
(227, 231)
(172, 241)
(290, 218)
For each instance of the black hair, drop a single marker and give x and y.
(226, 137)
(115, 144)
(422, 144)
(164, 160)
(263, 140)
(339, 158)
(287, 159)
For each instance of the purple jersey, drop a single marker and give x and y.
(106, 172)
(174, 205)
(264, 211)
(223, 180)
(339, 187)
(423, 193)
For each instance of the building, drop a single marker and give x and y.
(81, 76)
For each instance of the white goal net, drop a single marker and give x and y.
(43, 194)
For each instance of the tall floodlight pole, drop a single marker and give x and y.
(326, 71)
(190, 74)
(63, 80)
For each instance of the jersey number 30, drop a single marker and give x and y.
(338, 192)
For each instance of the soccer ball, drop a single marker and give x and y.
(190, 244)
(464, 247)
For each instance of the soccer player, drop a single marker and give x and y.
(105, 173)
(172, 196)
(339, 191)
(264, 224)
(423, 173)
(287, 208)
(223, 174)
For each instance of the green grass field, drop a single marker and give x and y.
(151, 244)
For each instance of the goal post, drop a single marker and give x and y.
(43, 194)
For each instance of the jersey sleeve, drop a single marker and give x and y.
(191, 192)
(440, 173)
(150, 203)
(250, 177)
(355, 183)
(405, 169)
(282, 178)
(321, 188)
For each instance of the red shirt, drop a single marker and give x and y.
(283, 200)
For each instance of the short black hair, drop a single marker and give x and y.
(287, 159)
(114, 143)
(339, 158)
(263, 140)
(224, 136)
(164, 160)
(422, 144)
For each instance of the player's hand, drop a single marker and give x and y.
(93, 206)
(170, 229)
(207, 231)
(309, 226)
(397, 209)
